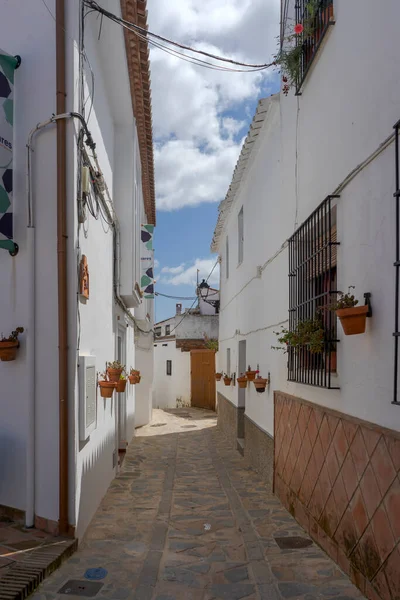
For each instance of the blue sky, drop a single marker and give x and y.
(200, 120)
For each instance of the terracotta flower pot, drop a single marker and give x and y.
(251, 375)
(260, 384)
(8, 350)
(121, 385)
(134, 379)
(242, 381)
(227, 380)
(218, 376)
(107, 388)
(353, 319)
(114, 374)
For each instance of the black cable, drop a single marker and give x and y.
(148, 34)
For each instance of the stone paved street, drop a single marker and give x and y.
(188, 519)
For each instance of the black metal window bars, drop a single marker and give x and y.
(321, 18)
(312, 287)
(396, 333)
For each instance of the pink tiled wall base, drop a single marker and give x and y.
(340, 478)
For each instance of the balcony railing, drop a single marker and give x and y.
(316, 16)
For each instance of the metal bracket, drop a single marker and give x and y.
(367, 297)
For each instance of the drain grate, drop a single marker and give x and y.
(293, 542)
(76, 587)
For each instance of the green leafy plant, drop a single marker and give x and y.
(308, 333)
(115, 365)
(344, 300)
(13, 337)
(290, 53)
(122, 377)
(211, 343)
(104, 376)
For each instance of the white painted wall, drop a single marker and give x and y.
(170, 388)
(341, 120)
(28, 30)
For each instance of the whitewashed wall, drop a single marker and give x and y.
(27, 29)
(342, 119)
(170, 388)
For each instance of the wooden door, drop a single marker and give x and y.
(202, 368)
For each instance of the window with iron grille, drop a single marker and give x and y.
(167, 329)
(312, 288)
(169, 367)
(316, 15)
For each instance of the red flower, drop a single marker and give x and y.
(284, 79)
(298, 28)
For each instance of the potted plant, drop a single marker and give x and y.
(250, 375)
(9, 345)
(121, 385)
(227, 379)
(308, 334)
(134, 376)
(242, 381)
(260, 383)
(114, 370)
(106, 386)
(353, 318)
(218, 376)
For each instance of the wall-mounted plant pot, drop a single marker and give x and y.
(353, 319)
(242, 381)
(8, 350)
(121, 385)
(114, 374)
(218, 376)
(107, 388)
(260, 384)
(251, 375)
(227, 380)
(133, 379)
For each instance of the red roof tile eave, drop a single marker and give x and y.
(139, 74)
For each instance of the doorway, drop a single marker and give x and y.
(121, 397)
(202, 376)
(241, 394)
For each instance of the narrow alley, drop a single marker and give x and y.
(187, 518)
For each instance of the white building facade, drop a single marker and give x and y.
(174, 339)
(55, 470)
(311, 210)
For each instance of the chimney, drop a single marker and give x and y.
(179, 309)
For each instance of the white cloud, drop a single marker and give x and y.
(189, 275)
(173, 270)
(156, 263)
(194, 108)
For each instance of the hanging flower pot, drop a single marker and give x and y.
(10, 345)
(250, 375)
(134, 376)
(121, 385)
(260, 383)
(354, 319)
(107, 388)
(218, 376)
(227, 380)
(242, 381)
(114, 370)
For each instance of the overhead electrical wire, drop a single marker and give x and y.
(155, 40)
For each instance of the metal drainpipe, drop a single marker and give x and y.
(62, 269)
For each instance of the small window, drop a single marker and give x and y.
(227, 257)
(169, 367)
(240, 236)
(157, 331)
(228, 361)
(165, 345)
(167, 329)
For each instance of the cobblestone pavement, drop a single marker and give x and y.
(187, 519)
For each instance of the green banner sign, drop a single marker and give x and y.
(8, 64)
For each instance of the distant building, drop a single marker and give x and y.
(174, 339)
